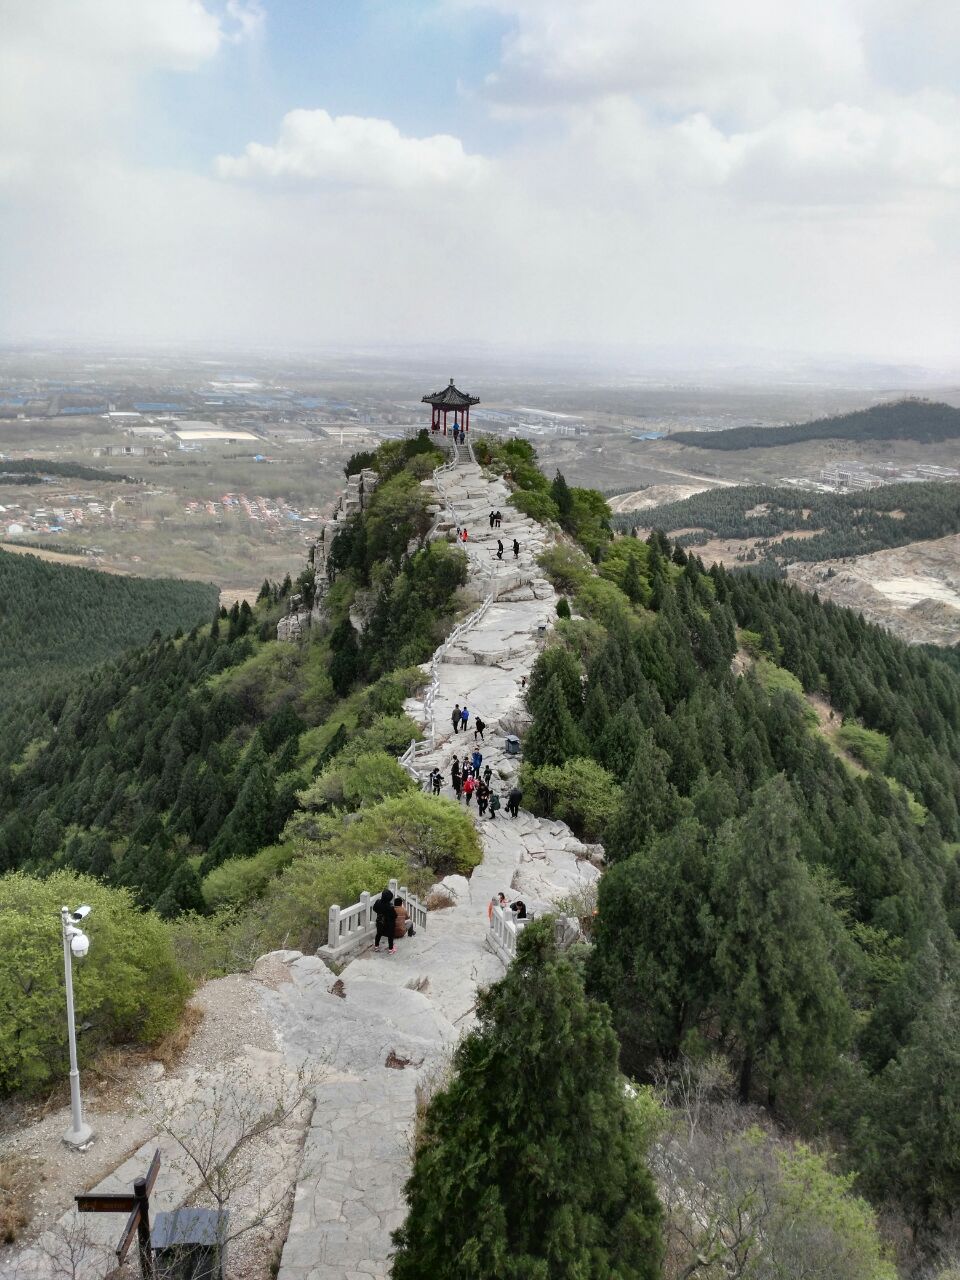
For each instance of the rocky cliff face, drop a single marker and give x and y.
(353, 500)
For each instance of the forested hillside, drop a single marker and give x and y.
(56, 619)
(771, 895)
(921, 420)
(831, 524)
(169, 760)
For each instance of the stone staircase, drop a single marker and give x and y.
(387, 1024)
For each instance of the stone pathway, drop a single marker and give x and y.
(388, 1023)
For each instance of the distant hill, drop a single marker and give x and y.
(921, 420)
(56, 620)
(33, 470)
(829, 525)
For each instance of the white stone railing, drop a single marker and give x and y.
(505, 928)
(349, 928)
(503, 932)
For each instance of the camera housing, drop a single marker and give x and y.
(79, 944)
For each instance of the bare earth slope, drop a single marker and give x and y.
(913, 591)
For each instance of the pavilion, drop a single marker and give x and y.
(450, 399)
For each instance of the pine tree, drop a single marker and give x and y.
(781, 996)
(553, 737)
(560, 493)
(531, 1164)
(650, 803)
(651, 960)
(634, 586)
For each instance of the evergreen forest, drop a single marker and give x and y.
(56, 619)
(775, 894)
(924, 421)
(830, 525)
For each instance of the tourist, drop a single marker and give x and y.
(490, 905)
(464, 717)
(478, 728)
(494, 804)
(493, 516)
(513, 801)
(386, 915)
(456, 716)
(403, 928)
(437, 781)
(519, 909)
(516, 548)
(487, 774)
(468, 789)
(476, 760)
(497, 518)
(455, 778)
(499, 549)
(483, 795)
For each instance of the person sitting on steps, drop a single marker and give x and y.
(403, 928)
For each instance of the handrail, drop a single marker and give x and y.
(349, 927)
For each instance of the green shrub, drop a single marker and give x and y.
(867, 745)
(563, 607)
(566, 567)
(358, 783)
(430, 835)
(538, 506)
(129, 987)
(603, 600)
(240, 880)
(579, 792)
(298, 903)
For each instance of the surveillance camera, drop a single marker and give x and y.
(81, 913)
(79, 944)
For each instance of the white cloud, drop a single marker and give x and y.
(70, 70)
(355, 151)
(743, 56)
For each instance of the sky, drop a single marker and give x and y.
(758, 176)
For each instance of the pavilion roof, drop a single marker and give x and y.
(450, 398)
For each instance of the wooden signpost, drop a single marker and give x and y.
(138, 1207)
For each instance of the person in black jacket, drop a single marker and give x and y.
(386, 915)
(513, 801)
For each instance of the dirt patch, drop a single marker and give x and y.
(913, 591)
(119, 1095)
(64, 557)
(657, 495)
(830, 722)
(230, 596)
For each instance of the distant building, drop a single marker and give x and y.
(932, 472)
(850, 475)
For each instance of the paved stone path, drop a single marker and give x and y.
(389, 1022)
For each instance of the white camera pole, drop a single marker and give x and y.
(79, 1134)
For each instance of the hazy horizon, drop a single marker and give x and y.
(763, 185)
